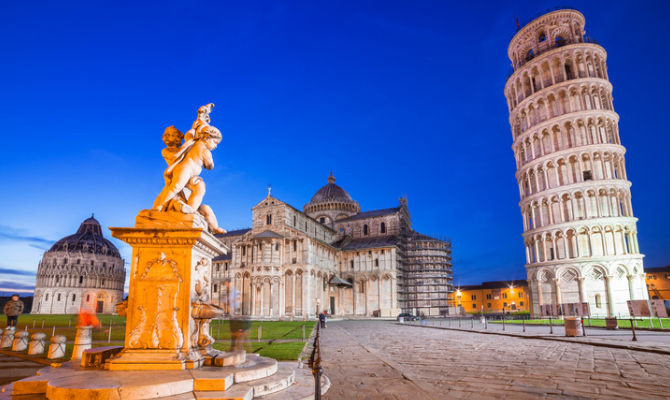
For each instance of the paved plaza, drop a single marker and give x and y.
(385, 360)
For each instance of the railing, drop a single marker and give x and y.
(561, 43)
(315, 362)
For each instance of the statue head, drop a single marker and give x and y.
(211, 136)
(172, 137)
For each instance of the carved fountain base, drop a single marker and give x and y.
(170, 279)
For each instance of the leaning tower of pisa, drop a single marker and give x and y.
(580, 234)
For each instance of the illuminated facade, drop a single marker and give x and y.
(580, 233)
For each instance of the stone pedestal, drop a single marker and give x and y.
(82, 341)
(20, 341)
(57, 347)
(7, 337)
(170, 280)
(36, 345)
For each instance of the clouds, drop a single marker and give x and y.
(9, 234)
(13, 271)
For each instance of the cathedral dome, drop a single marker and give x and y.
(331, 192)
(88, 239)
(330, 203)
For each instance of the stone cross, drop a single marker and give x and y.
(57, 347)
(36, 345)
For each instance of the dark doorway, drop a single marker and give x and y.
(98, 307)
(332, 305)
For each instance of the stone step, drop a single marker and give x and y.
(236, 392)
(280, 380)
(302, 388)
(256, 367)
(211, 379)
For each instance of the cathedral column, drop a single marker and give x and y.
(252, 296)
(366, 290)
(354, 296)
(630, 286)
(557, 285)
(582, 293)
(293, 294)
(610, 302)
(379, 294)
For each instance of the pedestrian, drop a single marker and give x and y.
(322, 319)
(12, 309)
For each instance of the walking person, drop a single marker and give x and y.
(322, 319)
(13, 309)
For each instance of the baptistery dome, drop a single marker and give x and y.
(331, 203)
(88, 239)
(80, 271)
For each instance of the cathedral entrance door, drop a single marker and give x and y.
(98, 307)
(332, 305)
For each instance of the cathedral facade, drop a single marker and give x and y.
(80, 271)
(331, 256)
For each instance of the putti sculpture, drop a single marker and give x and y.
(168, 310)
(184, 188)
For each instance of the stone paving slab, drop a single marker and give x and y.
(384, 360)
(652, 341)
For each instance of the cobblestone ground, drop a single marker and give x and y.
(383, 360)
(12, 369)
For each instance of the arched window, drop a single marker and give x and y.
(559, 41)
(74, 297)
(365, 229)
(382, 228)
(215, 288)
(542, 37)
(46, 297)
(599, 302)
(88, 298)
(81, 279)
(352, 264)
(294, 220)
(530, 55)
(268, 219)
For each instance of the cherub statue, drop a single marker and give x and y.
(184, 189)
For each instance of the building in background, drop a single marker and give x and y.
(580, 234)
(658, 282)
(493, 297)
(331, 256)
(80, 271)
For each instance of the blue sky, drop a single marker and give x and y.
(397, 98)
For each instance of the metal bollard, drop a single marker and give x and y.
(472, 323)
(551, 327)
(660, 322)
(583, 328)
(523, 322)
(503, 322)
(632, 326)
(485, 324)
(459, 322)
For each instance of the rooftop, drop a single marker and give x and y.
(370, 214)
(348, 243)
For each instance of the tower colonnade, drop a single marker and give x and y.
(580, 233)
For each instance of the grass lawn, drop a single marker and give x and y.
(600, 322)
(220, 329)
